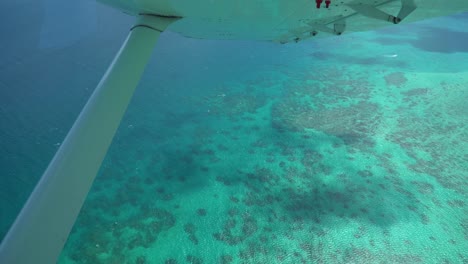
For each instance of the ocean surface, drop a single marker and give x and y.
(350, 149)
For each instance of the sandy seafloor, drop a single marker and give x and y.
(340, 150)
(355, 152)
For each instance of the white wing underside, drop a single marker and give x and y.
(284, 20)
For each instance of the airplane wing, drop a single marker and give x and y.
(286, 20)
(45, 221)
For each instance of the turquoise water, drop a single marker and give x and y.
(340, 150)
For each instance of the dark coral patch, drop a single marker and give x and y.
(396, 79)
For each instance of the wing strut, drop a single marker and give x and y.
(369, 10)
(43, 225)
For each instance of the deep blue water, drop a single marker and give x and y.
(349, 150)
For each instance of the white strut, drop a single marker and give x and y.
(368, 10)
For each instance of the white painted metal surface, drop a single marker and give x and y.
(43, 225)
(280, 20)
